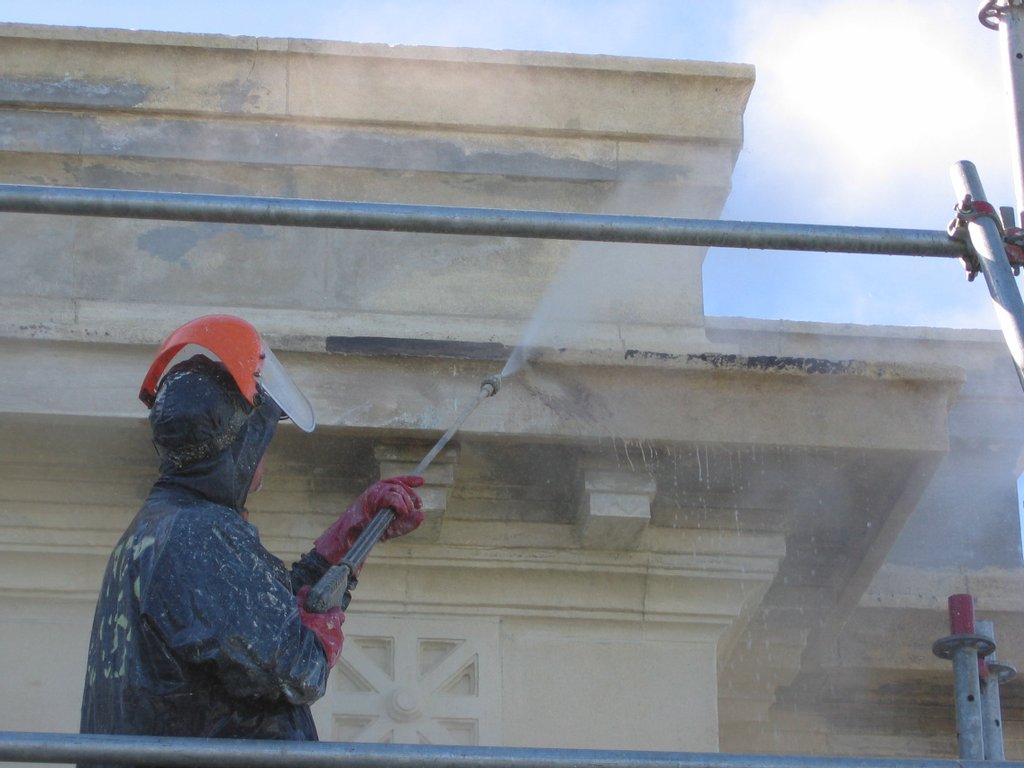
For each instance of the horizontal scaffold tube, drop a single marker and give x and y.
(230, 753)
(281, 211)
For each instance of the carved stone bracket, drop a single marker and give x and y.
(615, 508)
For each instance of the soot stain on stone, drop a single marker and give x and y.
(117, 93)
(173, 243)
(763, 363)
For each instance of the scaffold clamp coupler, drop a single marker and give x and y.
(1013, 242)
(990, 13)
(968, 210)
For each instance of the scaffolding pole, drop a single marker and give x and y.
(1007, 17)
(293, 212)
(245, 753)
(995, 674)
(982, 225)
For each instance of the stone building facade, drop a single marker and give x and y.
(669, 532)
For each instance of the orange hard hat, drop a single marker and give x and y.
(251, 363)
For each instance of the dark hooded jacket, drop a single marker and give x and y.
(197, 631)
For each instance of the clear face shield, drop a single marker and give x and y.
(251, 363)
(278, 385)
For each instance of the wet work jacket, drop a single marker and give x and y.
(197, 630)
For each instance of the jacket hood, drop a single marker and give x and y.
(208, 437)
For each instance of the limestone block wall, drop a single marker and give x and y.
(351, 122)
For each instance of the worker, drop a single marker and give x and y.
(199, 630)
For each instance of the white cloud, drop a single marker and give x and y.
(870, 102)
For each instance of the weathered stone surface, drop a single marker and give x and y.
(355, 122)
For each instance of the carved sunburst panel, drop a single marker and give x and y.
(415, 681)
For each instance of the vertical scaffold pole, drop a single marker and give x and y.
(964, 647)
(996, 673)
(1007, 16)
(977, 217)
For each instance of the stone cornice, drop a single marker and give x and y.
(581, 402)
(377, 84)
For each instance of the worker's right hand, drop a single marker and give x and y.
(326, 627)
(396, 493)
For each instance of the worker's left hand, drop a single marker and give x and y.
(396, 493)
(326, 627)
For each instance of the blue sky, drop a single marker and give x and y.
(859, 109)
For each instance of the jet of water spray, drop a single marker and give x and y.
(515, 362)
(542, 317)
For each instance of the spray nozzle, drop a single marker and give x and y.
(490, 385)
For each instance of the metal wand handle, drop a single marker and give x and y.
(335, 586)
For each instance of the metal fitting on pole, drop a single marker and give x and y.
(978, 222)
(490, 385)
(964, 647)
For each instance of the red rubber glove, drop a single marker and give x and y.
(326, 627)
(396, 492)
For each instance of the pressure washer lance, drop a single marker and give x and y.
(335, 587)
